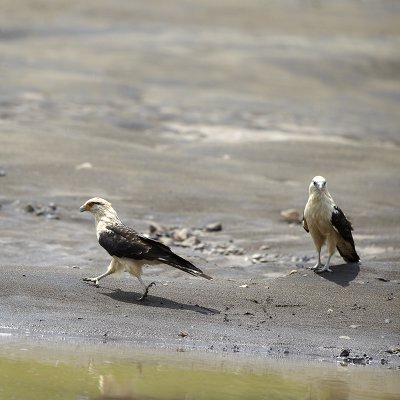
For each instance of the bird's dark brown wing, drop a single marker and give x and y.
(122, 241)
(305, 226)
(345, 243)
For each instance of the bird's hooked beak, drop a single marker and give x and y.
(83, 208)
(319, 185)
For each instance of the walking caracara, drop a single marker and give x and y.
(327, 223)
(129, 250)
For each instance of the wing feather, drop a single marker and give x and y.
(345, 243)
(122, 241)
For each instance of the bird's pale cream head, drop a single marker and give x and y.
(96, 205)
(318, 184)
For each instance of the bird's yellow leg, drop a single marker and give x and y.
(146, 288)
(110, 270)
(331, 245)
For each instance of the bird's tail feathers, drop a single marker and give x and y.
(184, 265)
(348, 251)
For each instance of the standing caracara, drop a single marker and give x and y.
(130, 250)
(327, 224)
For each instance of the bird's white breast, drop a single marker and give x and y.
(318, 213)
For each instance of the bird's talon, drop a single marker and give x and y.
(320, 270)
(96, 282)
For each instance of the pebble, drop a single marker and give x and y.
(345, 353)
(190, 242)
(50, 211)
(167, 241)
(292, 215)
(85, 165)
(155, 228)
(213, 227)
(3, 172)
(180, 234)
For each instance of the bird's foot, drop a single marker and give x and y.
(315, 267)
(95, 280)
(325, 268)
(147, 291)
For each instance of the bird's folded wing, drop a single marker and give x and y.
(305, 226)
(342, 225)
(122, 241)
(345, 243)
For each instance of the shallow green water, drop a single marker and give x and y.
(104, 371)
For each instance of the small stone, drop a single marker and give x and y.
(190, 242)
(388, 321)
(180, 234)
(330, 310)
(256, 256)
(214, 227)
(244, 286)
(344, 337)
(40, 211)
(292, 215)
(345, 353)
(200, 246)
(3, 173)
(29, 208)
(183, 334)
(293, 271)
(167, 241)
(286, 352)
(354, 326)
(52, 216)
(157, 228)
(85, 165)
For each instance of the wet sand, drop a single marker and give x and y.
(188, 116)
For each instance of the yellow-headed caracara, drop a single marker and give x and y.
(327, 223)
(129, 250)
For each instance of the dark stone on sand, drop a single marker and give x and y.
(29, 208)
(213, 227)
(3, 172)
(345, 353)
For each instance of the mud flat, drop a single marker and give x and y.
(183, 117)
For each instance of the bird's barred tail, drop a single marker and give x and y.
(347, 251)
(184, 265)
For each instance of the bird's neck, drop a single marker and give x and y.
(104, 218)
(321, 196)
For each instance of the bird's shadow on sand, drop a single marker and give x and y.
(156, 301)
(342, 274)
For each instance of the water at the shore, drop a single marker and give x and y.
(90, 371)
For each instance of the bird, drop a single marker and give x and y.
(129, 250)
(327, 224)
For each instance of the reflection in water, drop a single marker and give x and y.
(103, 372)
